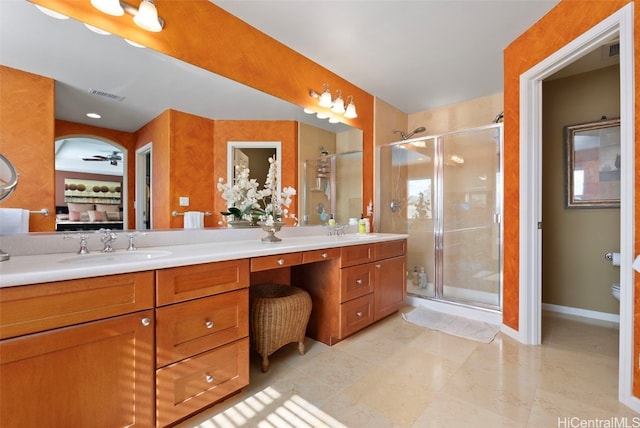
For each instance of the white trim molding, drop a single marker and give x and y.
(618, 24)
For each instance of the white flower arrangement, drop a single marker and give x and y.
(245, 201)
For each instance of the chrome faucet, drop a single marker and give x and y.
(107, 239)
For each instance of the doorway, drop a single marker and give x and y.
(143, 188)
(620, 24)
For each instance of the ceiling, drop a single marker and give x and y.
(415, 55)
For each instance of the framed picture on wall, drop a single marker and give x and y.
(593, 164)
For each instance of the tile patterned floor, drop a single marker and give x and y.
(396, 374)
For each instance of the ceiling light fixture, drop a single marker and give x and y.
(51, 13)
(145, 16)
(336, 105)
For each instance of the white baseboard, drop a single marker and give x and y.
(585, 313)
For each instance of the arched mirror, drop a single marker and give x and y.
(90, 184)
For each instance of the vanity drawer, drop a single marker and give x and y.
(386, 250)
(356, 255)
(320, 255)
(191, 282)
(186, 387)
(355, 315)
(33, 308)
(356, 281)
(189, 328)
(275, 262)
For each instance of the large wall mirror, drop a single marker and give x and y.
(129, 85)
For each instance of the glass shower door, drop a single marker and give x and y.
(470, 215)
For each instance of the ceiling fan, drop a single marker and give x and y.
(113, 158)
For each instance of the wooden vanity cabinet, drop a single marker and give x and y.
(75, 354)
(202, 336)
(390, 285)
(366, 283)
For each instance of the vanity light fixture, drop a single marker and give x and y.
(145, 16)
(351, 113)
(338, 105)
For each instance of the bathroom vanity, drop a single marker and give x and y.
(149, 337)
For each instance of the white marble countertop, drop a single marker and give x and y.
(39, 268)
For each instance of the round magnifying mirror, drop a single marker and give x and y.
(8, 178)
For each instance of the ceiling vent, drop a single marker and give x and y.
(104, 94)
(614, 50)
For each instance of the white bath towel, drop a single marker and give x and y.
(193, 220)
(13, 220)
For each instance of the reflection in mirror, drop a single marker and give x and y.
(89, 184)
(255, 156)
(94, 81)
(593, 164)
(332, 187)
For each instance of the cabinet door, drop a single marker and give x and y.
(389, 286)
(98, 374)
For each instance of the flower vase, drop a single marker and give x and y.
(239, 224)
(271, 230)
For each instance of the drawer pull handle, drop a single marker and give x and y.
(325, 255)
(208, 378)
(378, 266)
(208, 324)
(359, 313)
(146, 322)
(358, 281)
(280, 262)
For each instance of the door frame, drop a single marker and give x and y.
(141, 183)
(530, 264)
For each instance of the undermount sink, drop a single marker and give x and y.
(116, 257)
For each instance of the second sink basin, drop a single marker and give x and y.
(115, 257)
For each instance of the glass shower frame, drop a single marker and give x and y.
(454, 224)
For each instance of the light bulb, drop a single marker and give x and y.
(338, 105)
(110, 7)
(147, 17)
(351, 111)
(325, 99)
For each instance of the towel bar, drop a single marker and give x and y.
(44, 212)
(176, 213)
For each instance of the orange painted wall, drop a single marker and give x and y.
(158, 133)
(191, 165)
(182, 165)
(240, 130)
(64, 128)
(568, 20)
(26, 139)
(201, 33)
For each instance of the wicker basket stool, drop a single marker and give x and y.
(279, 315)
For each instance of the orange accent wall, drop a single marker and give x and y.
(240, 130)
(127, 140)
(26, 139)
(568, 20)
(205, 35)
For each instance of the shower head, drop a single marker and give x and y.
(407, 136)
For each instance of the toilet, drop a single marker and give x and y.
(615, 290)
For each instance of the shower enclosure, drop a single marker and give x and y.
(332, 186)
(445, 192)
